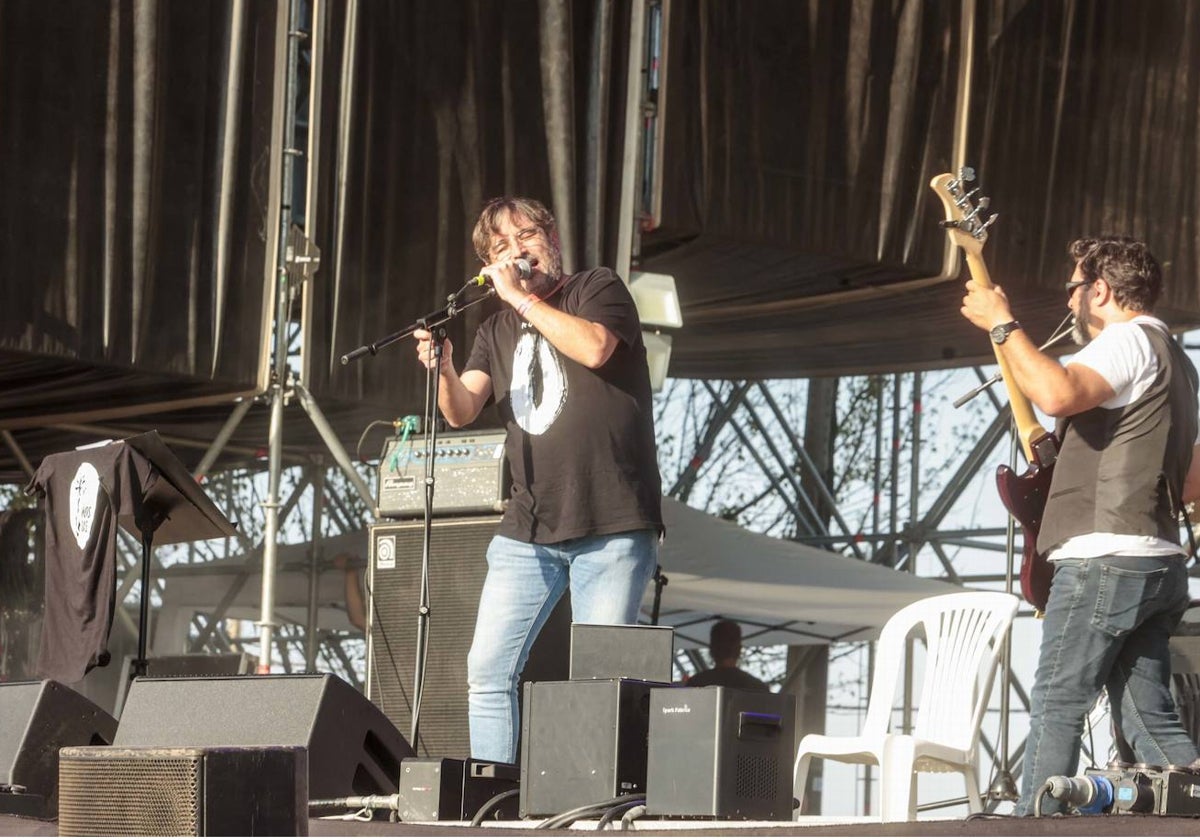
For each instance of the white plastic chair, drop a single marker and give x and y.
(964, 634)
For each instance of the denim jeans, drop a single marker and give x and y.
(607, 575)
(1108, 622)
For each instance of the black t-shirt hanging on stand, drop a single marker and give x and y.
(84, 493)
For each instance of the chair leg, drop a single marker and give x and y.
(898, 792)
(800, 780)
(973, 797)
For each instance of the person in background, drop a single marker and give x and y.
(356, 606)
(725, 647)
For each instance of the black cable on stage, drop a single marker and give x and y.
(596, 808)
(482, 813)
(632, 814)
(615, 810)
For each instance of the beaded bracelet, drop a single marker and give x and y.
(525, 304)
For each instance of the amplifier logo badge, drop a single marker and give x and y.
(685, 709)
(385, 552)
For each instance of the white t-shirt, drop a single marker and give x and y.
(1121, 354)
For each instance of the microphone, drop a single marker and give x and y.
(1087, 794)
(524, 270)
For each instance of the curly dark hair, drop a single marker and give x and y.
(1126, 265)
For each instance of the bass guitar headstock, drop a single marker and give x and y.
(967, 220)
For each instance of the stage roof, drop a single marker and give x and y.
(797, 142)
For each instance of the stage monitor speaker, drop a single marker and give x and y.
(201, 665)
(582, 742)
(187, 665)
(457, 568)
(191, 792)
(353, 750)
(720, 752)
(36, 720)
(611, 651)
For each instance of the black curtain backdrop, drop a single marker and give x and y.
(799, 141)
(1085, 122)
(134, 212)
(429, 109)
(801, 138)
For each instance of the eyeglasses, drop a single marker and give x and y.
(1072, 285)
(500, 247)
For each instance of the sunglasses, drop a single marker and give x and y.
(1072, 285)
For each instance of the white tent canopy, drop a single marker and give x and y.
(781, 592)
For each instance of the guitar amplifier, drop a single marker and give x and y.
(470, 474)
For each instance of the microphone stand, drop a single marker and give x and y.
(1060, 332)
(1003, 787)
(433, 322)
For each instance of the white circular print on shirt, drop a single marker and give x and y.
(536, 408)
(84, 493)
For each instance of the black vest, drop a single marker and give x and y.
(1121, 470)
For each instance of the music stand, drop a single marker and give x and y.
(180, 512)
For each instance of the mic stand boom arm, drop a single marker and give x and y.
(425, 322)
(1064, 329)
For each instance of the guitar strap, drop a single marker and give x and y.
(1181, 512)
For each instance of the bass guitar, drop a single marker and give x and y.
(1023, 495)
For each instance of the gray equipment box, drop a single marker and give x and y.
(720, 752)
(610, 651)
(582, 742)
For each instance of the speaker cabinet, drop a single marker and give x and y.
(191, 792)
(583, 742)
(457, 568)
(720, 752)
(353, 750)
(36, 720)
(611, 651)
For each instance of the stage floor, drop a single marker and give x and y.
(984, 826)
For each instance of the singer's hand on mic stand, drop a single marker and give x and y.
(425, 348)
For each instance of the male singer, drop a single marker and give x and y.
(567, 367)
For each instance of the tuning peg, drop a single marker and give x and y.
(991, 220)
(966, 173)
(965, 200)
(984, 202)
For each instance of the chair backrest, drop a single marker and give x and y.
(963, 636)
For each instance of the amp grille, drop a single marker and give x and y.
(757, 777)
(130, 792)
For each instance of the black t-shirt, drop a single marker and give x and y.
(580, 442)
(85, 491)
(729, 677)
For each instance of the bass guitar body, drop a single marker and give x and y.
(1025, 497)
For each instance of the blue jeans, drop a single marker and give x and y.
(607, 575)
(1108, 622)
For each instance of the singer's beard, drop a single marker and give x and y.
(1079, 330)
(547, 273)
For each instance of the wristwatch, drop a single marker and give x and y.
(1000, 332)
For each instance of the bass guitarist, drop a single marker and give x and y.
(1127, 410)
